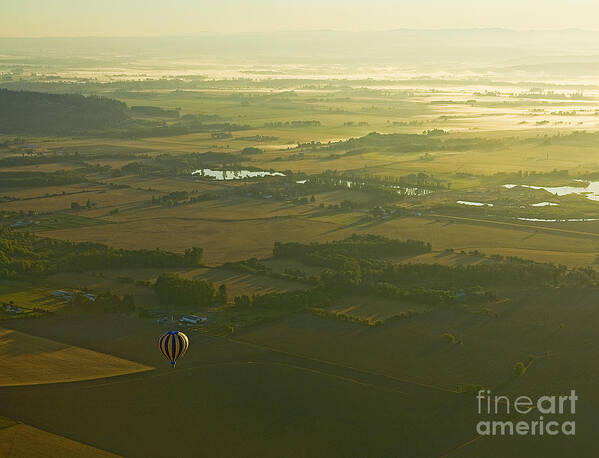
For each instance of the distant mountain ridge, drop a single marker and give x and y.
(400, 45)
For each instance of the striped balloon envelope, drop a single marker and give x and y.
(173, 345)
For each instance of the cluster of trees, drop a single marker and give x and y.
(175, 198)
(172, 197)
(354, 267)
(372, 182)
(536, 177)
(38, 158)
(251, 150)
(254, 267)
(509, 271)
(295, 186)
(310, 123)
(167, 165)
(336, 254)
(147, 110)
(40, 179)
(354, 260)
(140, 168)
(175, 291)
(41, 113)
(25, 255)
(414, 143)
(221, 135)
(320, 297)
(352, 278)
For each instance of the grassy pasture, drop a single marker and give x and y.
(47, 191)
(304, 367)
(63, 220)
(103, 198)
(553, 326)
(48, 168)
(221, 241)
(373, 309)
(165, 185)
(227, 234)
(30, 360)
(217, 226)
(21, 441)
(509, 159)
(225, 209)
(28, 297)
(241, 283)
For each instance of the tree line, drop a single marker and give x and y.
(175, 291)
(354, 267)
(24, 255)
(40, 179)
(39, 113)
(337, 253)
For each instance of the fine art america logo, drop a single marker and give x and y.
(560, 407)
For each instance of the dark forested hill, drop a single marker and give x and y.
(41, 113)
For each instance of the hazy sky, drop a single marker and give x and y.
(20, 18)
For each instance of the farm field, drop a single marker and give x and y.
(291, 407)
(310, 361)
(570, 244)
(30, 360)
(21, 440)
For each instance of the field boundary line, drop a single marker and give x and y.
(343, 366)
(516, 225)
(167, 373)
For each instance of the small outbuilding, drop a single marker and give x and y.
(193, 319)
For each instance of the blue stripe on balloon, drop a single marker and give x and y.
(173, 348)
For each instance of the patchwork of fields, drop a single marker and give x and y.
(356, 296)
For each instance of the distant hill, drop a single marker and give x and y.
(40, 113)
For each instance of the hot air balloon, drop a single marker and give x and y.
(173, 345)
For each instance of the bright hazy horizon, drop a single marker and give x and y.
(129, 18)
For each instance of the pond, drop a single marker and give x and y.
(474, 204)
(412, 191)
(568, 220)
(545, 204)
(225, 175)
(591, 191)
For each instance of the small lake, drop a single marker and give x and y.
(591, 191)
(412, 191)
(225, 175)
(473, 204)
(545, 204)
(569, 220)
